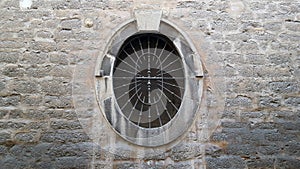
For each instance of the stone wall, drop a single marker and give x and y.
(249, 49)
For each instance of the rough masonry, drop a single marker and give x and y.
(250, 51)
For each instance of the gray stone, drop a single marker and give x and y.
(225, 162)
(251, 49)
(269, 149)
(125, 165)
(13, 71)
(13, 100)
(245, 150)
(264, 162)
(287, 162)
(11, 44)
(26, 87)
(5, 136)
(10, 162)
(34, 58)
(280, 58)
(58, 102)
(185, 151)
(38, 71)
(69, 24)
(59, 58)
(239, 101)
(44, 34)
(43, 46)
(70, 125)
(292, 25)
(26, 137)
(62, 136)
(269, 102)
(3, 150)
(9, 57)
(4, 113)
(72, 162)
(293, 101)
(11, 125)
(181, 165)
(32, 100)
(35, 114)
(292, 148)
(55, 87)
(284, 87)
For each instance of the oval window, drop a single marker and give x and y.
(149, 85)
(148, 80)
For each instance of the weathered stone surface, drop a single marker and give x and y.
(184, 152)
(62, 136)
(225, 162)
(256, 43)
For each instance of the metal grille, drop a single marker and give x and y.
(148, 80)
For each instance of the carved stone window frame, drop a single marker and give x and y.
(150, 21)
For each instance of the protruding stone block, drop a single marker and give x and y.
(148, 20)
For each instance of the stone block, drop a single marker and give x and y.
(293, 101)
(180, 165)
(34, 114)
(292, 149)
(243, 150)
(185, 151)
(73, 162)
(12, 44)
(9, 162)
(56, 87)
(58, 102)
(269, 102)
(264, 162)
(25, 87)
(3, 150)
(239, 101)
(43, 46)
(65, 34)
(279, 58)
(59, 58)
(26, 137)
(13, 100)
(283, 116)
(9, 57)
(223, 46)
(34, 58)
(44, 34)
(37, 125)
(148, 20)
(225, 162)
(13, 71)
(125, 165)
(38, 71)
(61, 71)
(69, 125)
(284, 87)
(287, 162)
(269, 149)
(292, 25)
(247, 46)
(5, 137)
(69, 24)
(12, 125)
(32, 100)
(4, 114)
(64, 136)
(81, 149)
(287, 37)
